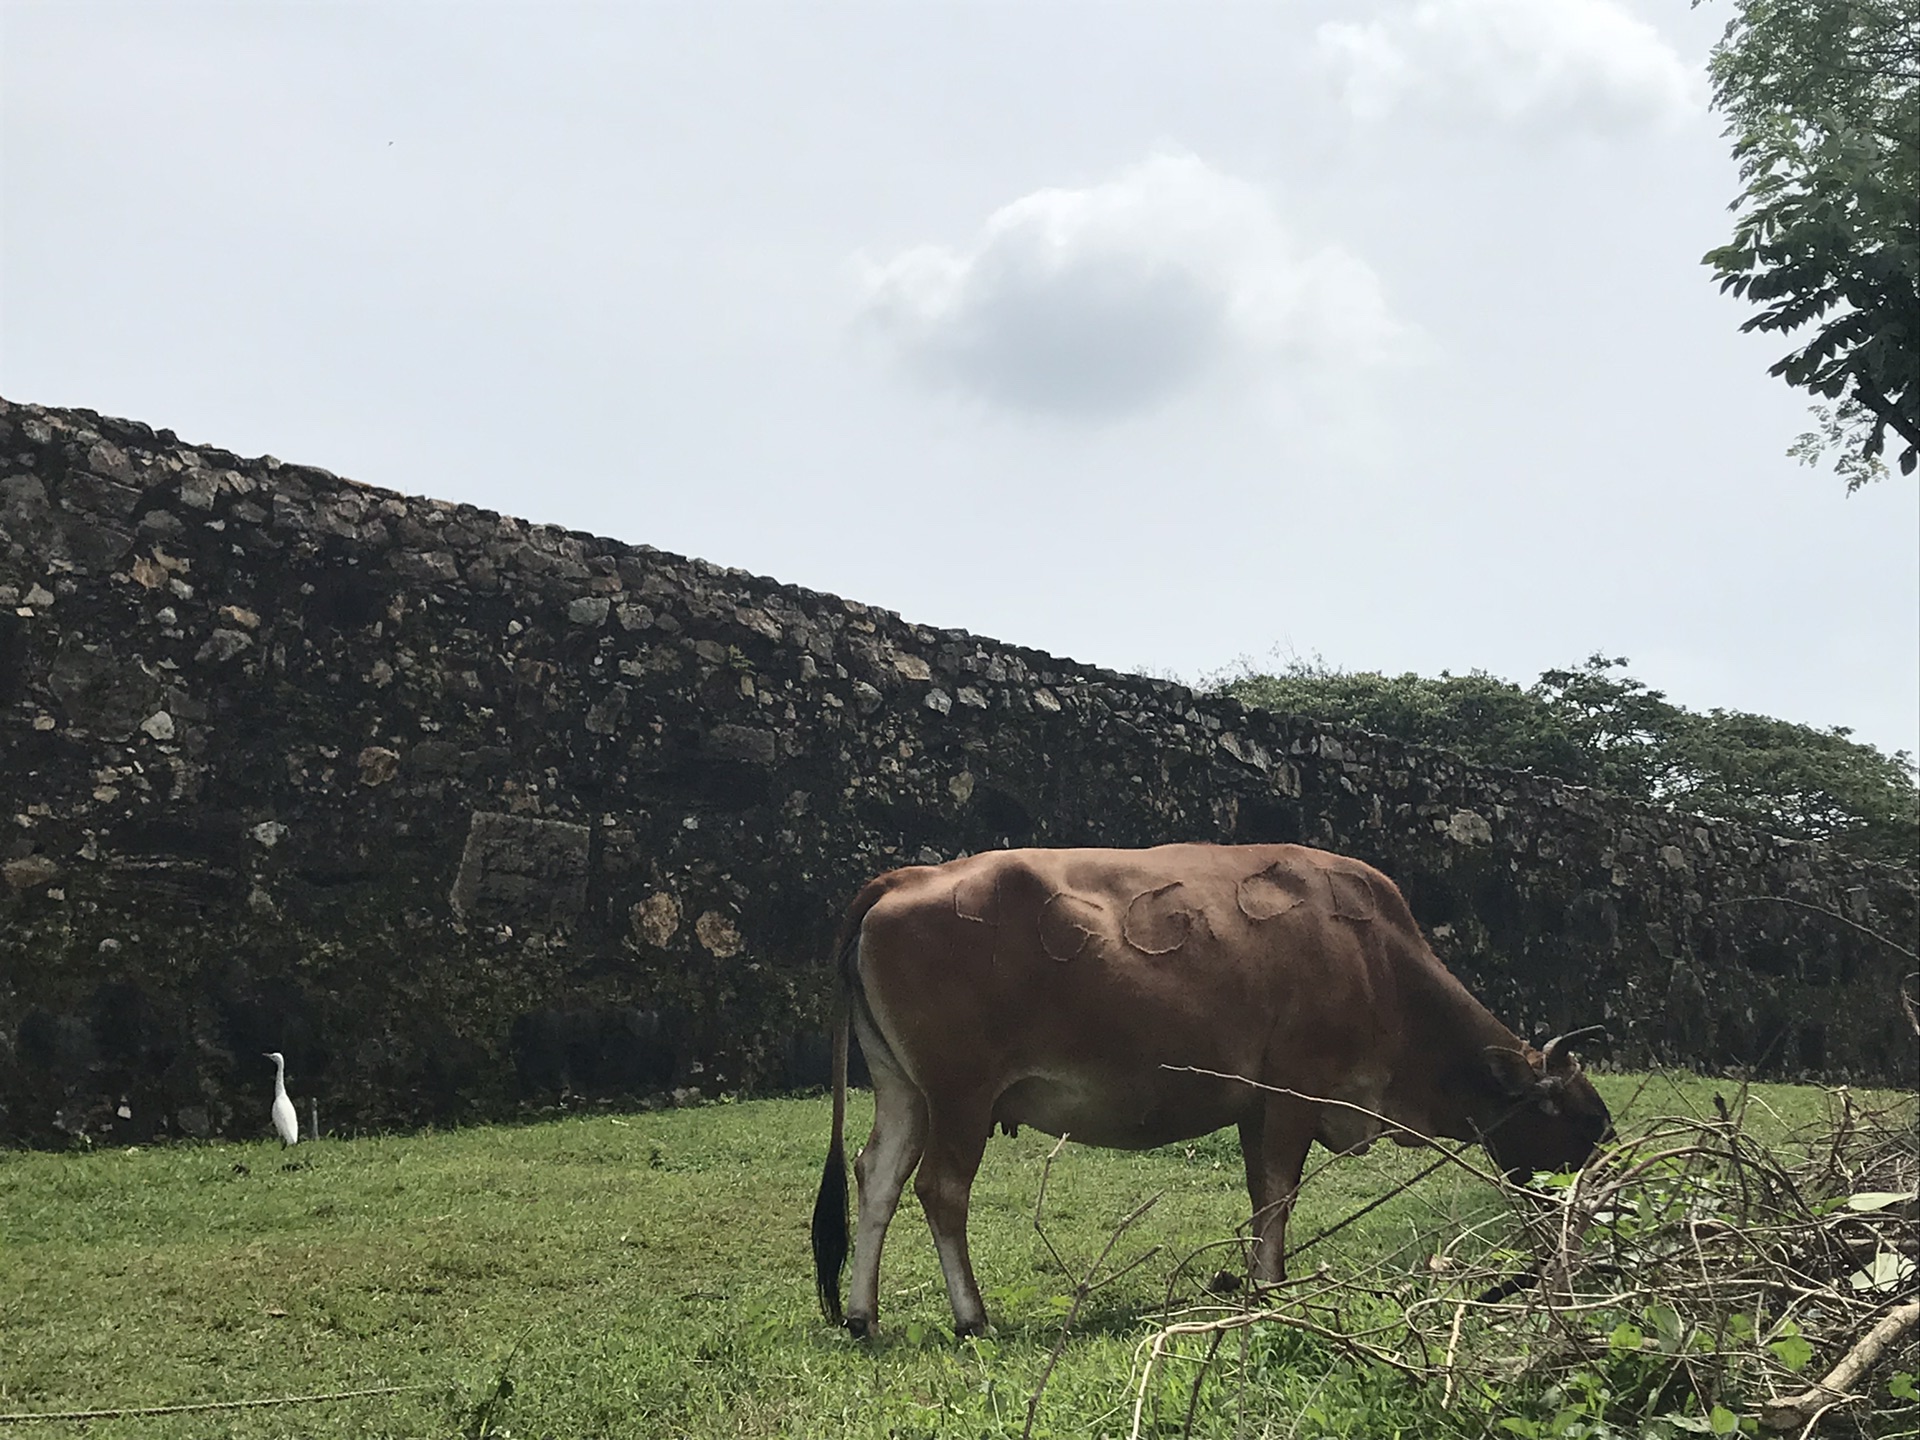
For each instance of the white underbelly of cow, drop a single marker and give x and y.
(1134, 1112)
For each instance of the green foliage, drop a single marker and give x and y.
(643, 1275)
(612, 1276)
(1596, 725)
(1799, 781)
(1822, 102)
(1478, 715)
(1671, 1321)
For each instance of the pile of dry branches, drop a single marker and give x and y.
(1690, 1279)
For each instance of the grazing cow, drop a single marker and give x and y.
(1078, 991)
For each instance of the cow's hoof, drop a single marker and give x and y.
(861, 1327)
(972, 1330)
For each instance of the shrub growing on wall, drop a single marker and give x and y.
(1595, 724)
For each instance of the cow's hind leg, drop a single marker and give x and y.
(1274, 1143)
(887, 1159)
(956, 1138)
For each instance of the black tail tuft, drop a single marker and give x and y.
(830, 1227)
(830, 1231)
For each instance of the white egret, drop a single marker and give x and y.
(285, 1123)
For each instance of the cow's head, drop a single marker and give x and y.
(1551, 1117)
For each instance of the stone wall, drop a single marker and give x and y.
(467, 815)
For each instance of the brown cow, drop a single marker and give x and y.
(1076, 991)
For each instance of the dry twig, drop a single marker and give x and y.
(1688, 1267)
(1087, 1284)
(1833, 1387)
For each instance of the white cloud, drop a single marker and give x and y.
(1107, 300)
(1589, 62)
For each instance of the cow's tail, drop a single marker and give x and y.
(830, 1205)
(830, 1228)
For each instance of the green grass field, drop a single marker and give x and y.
(648, 1275)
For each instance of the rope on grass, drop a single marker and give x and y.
(200, 1407)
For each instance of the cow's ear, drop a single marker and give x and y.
(1512, 1071)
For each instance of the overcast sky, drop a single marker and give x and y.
(1154, 335)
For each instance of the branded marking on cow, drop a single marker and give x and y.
(976, 897)
(1270, 893)
(1068, 923)
(1353, 897)
(1159, 921)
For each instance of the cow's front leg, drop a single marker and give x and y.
(956, 1137)
(891, 1151)
(1274, 1143)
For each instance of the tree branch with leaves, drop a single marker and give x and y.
(1822, 102)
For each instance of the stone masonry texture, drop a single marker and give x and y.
(470, 816)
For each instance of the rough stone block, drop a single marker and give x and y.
(519, 870)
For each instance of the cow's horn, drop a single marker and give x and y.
(1559, 1043)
